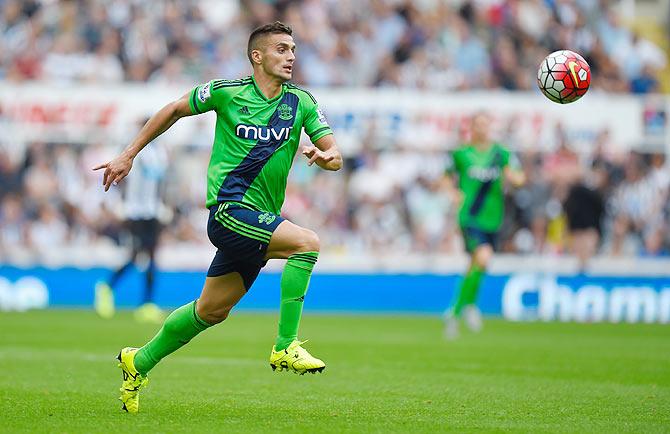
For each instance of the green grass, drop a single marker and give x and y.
(384, 374)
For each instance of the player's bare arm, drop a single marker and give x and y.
(324, 153)
(448, 184)
(119, 167)
(516, 177)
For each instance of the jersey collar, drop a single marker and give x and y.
(484, 151)
(258, 91)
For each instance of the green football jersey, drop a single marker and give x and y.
(256, 139)
(480, 178)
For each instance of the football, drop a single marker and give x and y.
(564, 76)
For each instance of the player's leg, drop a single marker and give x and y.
(478, 266)
(218, 297)
(104, 290)
(149, 278)
(148, 310)
(119, 272)
(479, 245)
(226, 283)
(149, 244)
(471, 284)
(135, 229)
(476, 244)
(103, 301)
(300, 247)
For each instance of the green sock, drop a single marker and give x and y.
(294, 281)
(477, 274)
(467, 293)
(179, 328)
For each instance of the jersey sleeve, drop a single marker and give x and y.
(450, 163)
(314, 122)
(511, 160)
(206, 97)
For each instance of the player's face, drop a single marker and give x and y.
(278, 56)
(480, 128)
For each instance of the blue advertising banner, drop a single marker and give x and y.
(523, 296)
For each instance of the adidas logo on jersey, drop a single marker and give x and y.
(244, 110)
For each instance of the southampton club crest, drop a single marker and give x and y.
(266, 218)
(285, 112)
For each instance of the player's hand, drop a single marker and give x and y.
(115, 170)
(321, 158)
(456, 197)
(516, 177)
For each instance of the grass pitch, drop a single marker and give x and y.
(384, 374)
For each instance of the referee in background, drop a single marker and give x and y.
(142, 208)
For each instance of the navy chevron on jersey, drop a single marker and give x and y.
(481, 179)
(256, 139)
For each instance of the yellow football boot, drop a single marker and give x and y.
(295, 358)
(149, 313)
(133, 381)
(104, 300)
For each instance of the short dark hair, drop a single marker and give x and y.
(275, 28)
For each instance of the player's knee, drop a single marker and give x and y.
(215, 316)
(308, 241)
(483, 256)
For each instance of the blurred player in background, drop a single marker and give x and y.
(142, 210)
(259, 122)
(481, 166)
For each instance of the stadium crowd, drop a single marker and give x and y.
(432, 44)
(368, 208)
(621, 198)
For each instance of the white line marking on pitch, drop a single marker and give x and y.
(33, 354)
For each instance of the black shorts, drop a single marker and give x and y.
(473, 238)
(242, 235)
(144, 233)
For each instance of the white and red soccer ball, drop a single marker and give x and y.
(564, 76)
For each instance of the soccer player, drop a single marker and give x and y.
(259, 121)
(142, 203)
(482, 166)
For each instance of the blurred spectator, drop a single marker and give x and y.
(10, 176)
(431, 216)
(466, 45)
(645, 81)
(13, 224)
(387, 199)
(48, 229)
(637, 209)
(584, 208)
